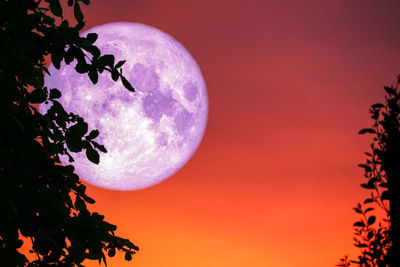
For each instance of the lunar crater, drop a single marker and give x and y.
(157, 104)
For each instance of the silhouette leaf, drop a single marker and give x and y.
(120, 63)
(371, 220)
(367, 130)
(74, 134)
(93, 134)
(80, 204)
(92, 50)
(111, 252)
(55, 8)
(389, 90)
(358, 210)
(128, 256)
(369, 209)
(359, 224)
(115, 75)
(127, 84)
(54, 93)
(88, 199)
(79, 129)
(366, 167)
(91, 37)
(77, 12)
(81, 67)
(99, 147)
(69, 56)
(94, 76)
(92, 155)
(368, 185)
(377, 106)
(384, 185)
(56, 60)
(385, 195)
(368, 200)
(106, 60)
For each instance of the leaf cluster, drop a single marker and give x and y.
(381, 169)
(41, 200)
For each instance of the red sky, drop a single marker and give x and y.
(275, 178)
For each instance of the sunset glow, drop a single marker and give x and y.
(274, 180)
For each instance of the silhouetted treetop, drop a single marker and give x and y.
(41, 200)
(377, 239)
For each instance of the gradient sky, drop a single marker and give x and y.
(275, 178)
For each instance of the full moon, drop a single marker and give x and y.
(150, 134)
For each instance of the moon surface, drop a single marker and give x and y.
(149, 134)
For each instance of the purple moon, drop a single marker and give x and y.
(149, 134)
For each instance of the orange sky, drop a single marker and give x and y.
(274, 180)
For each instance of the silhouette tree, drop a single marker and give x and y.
(42, 201)
(377, 239)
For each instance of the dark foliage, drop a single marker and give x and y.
(377, 238)
(40, 200)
